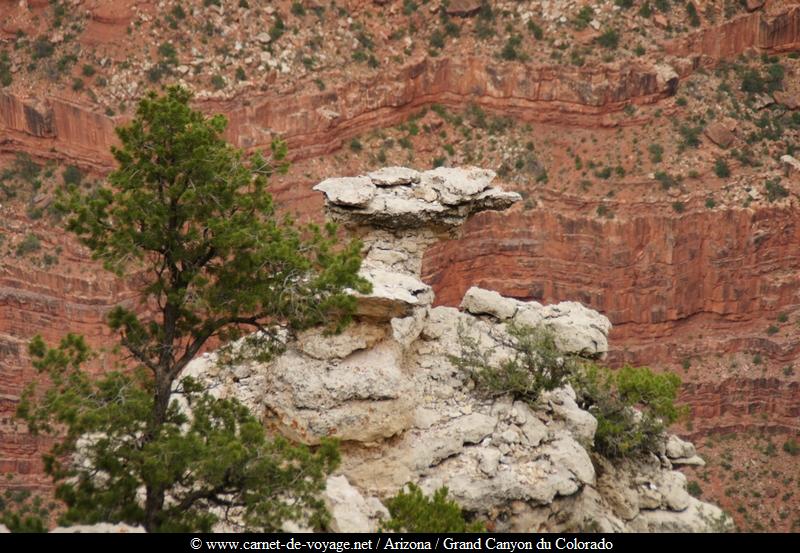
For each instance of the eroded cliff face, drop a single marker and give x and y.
(774, 30)
(320, 122)
(679, 287)
(676, 288)
(388, 389)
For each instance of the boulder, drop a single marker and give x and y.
(677, 448)
(349, 192)
(787, 99)
(697, 517)
(577, 329)
(487, 302)
(580, 423)
(719, 134)
(753, 5)
(349, 510)
(463, 8)
(394, 294)
(364, 397)
(791, 165)
(319, 344)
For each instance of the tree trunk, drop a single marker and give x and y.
(155, 493)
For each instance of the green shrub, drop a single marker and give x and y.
(535, 364)
(413, 512)
(23, 512)
(298, 9)
(437, 39)
(791, 447)
(656, 152)
(510, 51)
(25, 168)
(42, 48)
(775, 191)
(535, 30)
(667, 181)
(690, 136)
(611, 396)
(609, 39)
(583, 18)
(217, 82)
(277, 29)
(355, 145)
(604, 173)
(5, 70)
(29, 244)
(772, 330)
(694, 489)
(721, 168)
(691, 11)
(72, 175)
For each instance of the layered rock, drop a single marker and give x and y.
(764, 31)
(317, 123)
(388, 388)
(674, 287)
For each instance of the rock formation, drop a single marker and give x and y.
(387, 388)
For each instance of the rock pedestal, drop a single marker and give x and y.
(388, 389)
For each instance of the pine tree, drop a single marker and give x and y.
(188, 216)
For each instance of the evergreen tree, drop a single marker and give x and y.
(187, 216)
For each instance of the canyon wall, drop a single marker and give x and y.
(762, 31)
(707, 282)
(315, 123)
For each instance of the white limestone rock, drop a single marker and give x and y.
(697, 517)
(348, 191)
(393, 176)
(364, 397)
(577, 329)
(488, 302)
(579, 422)
(394, 294)
(456, 185)
(350, 511)
(677, 448)
(320, 345)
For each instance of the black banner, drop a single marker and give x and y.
(339, 543)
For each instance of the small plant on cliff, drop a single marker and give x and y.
(533, 365)
(623, 431)
(411, 511)
(632, 405)
(5, 70)
(191, 217)
(775, 191)
(609, 39)
(694, 488)
(22, 511)
(721, 168)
